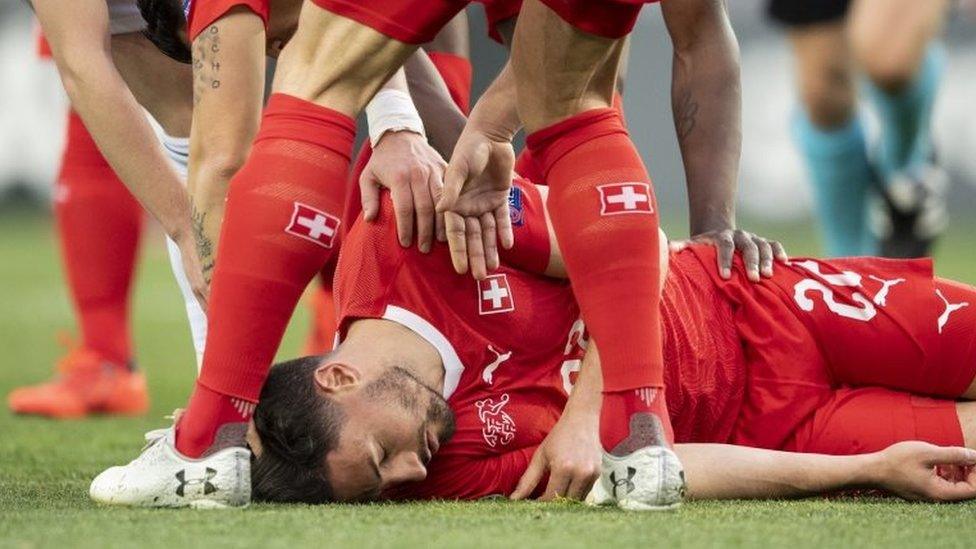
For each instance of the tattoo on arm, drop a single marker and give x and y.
(685, 115)
(206, 62)
(205, 247)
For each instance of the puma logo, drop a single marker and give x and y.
(487, 375)
(881, 298)
(950, 308)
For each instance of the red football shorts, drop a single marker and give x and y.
(409, 21)
(851, 355)
(607, 18)
(417, 22)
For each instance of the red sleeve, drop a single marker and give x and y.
(370, 261)
(464, 477)
(205, 12)
(527, 210)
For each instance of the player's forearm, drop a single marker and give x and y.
(706, 103)
(228, 87)
(442, 118)
(119, 127)
(587, 395)
(723, 471)
(496, 112)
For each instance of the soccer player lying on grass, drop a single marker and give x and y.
(447, 387)
(443, 386)
(844, 357)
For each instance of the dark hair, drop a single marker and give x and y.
(164, 20)
(298, 427)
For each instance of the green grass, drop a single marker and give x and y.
(45, 466)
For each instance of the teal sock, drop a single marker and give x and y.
(839, 171)
(906, 115)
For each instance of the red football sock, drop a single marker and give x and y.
(605, 217)
(280, 227)
(456, 72)
(99, 223)
(526, 164)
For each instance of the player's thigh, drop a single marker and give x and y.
(559, 69)
(336, 61)
(889, 37)
(824, 72)
(915, 333)
(869, 419)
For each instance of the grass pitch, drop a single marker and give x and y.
(45, 466)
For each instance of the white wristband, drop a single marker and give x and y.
(392, 111)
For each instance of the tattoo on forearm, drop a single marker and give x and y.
(685, 115)
(206, 62)
(205, 247)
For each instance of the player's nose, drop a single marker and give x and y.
(407, 468)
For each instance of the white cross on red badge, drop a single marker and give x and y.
(313, 225)
(625, 198)
(494, 295)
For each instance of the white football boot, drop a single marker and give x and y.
(649, 478)
(162, 477)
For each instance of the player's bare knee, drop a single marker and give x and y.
(890, 70)
(828, 98)
(337, 62)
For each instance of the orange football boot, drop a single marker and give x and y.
(86, 384)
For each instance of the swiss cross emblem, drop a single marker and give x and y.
(314, 225)
(494, 295)
(497, 427)
(625, 198)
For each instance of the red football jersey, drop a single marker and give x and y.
(509, 345)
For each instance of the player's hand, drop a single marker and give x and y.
(413, 171)
(475, 201)
(758, 253)
(921, 471)
(571, 454)
(193, 269)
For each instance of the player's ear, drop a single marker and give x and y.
(335, 377)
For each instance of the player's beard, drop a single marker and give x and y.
(416, 397)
